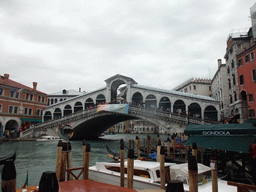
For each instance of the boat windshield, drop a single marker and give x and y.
(137, 172)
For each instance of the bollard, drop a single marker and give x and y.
(9, 177)
(130, 171)
(214, 171)
(48, 182)
(175, 186)
(86, 160)
(122, 163)
(193, 174)
(162, 169)
(158, 150)
(58, 160)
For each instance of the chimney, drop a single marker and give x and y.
(34, 85)
(79, 89)
(219, 62)
(6, 76)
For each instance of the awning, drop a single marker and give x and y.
(31, 120)
(236, 143)
(227, 137)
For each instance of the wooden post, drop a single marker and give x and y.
(214, 171)
(63, 162)
(69, 161)
(186, 154)
(157, 138)
(58, 160)
(168, 148)
(173, 147)
(9, 177)
(193, 174)
(162, 169)
(148, 145)
(86, 160)
(202, 155)
(130, 171)
(194, 150)
(144, 147)
(122, 163)
(138, 146)
(180, 147)
(158, 150)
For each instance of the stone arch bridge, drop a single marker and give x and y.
(89, 124)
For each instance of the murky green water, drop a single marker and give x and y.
(37, 157)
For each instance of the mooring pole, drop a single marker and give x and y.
(214, 171)
(168, 148)
(122, 163)
(138, 146)
(162, 169)
(193, 174)
(58, 160)
(130, 170)
(86, 160)
(158, 150)
(69, 161)
(63, 161)
(194, 150)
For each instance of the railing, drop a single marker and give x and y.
(70, 171)
(241, 187)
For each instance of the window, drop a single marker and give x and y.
(189, 88)
(15, 110)
(10, 109)
(247, 58)
(234, 79)
(1, 91)
(27, 96)
(231, 99)
(210, 88)
(17, 94)
(194, 87)
(12, 93)
(252, 56)
(31, 97)
(235, 96)
(39, 98)
(26, 111)
(30, 111)
(186, 90)
(232, 63)
(251, 113)
(38, 112)
(239, 62)
(250, 97)
(229, 84)
(0, 108)
(241, 79)
(42, 99)
(254, 75)
(228, 70)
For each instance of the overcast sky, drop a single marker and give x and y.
(65, 44)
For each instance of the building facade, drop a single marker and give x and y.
(197, 86)
(20, 105)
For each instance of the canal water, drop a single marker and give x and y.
(37, 157)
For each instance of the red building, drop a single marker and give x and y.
(20, 105)
(246, 67)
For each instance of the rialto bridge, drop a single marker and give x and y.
(164, 108)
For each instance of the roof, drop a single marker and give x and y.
(70, 92)
(8, 82)
(175, 92)
(118, 76)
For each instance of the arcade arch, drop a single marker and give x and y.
(57, 113)
(47, 116)
(100, 99)
(194, 110)
(88, 103)
(67, 110)
(137, 98)
(114, 87)
(211, 113)
(151, 101)
(78, 106)
(165, 104)
(179, 107)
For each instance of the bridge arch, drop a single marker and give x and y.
(88, 103)
(151, 101)
(194, 110)
(78, 106)
(165, 104)
(100, 99)
(67, 110)
(57, 113)
(114, 86)
(211, 113)
(179, 107)
(47, 116)
(137, 98)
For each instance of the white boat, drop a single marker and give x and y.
(48, 138)
(147, 175)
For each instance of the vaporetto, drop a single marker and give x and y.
(216, 133)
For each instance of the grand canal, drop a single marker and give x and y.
(37, 157)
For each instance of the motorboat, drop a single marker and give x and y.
(147, 175)
(48, 138)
